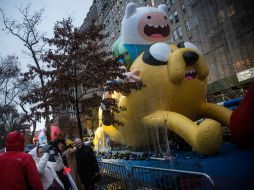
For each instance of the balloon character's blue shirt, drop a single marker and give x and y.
(135, 50)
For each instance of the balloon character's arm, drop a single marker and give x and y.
(205, 138)
(216, 112)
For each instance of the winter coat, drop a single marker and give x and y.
(71, 159)
(18, 170)
(87, 165)
(64, 179)
(48, 169)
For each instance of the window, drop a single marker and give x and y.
(187, 23)
(221, 16)
(167, 2)
(183, 9)
(195, 21)
(175, 37)
(176, 16)
(230, 10)
(152, 1)
(179, 31)
(171, 19)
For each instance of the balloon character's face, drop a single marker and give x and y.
(145, 25)
(154, 27)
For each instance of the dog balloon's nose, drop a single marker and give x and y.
(190, 57)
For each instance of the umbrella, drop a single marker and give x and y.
(67, 172)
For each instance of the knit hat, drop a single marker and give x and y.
(14, 141)
(69, 142)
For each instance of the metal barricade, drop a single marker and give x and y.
(113, 177)
(148, 178)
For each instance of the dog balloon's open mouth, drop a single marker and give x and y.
(189, 75)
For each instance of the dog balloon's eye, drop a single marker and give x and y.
(157, 54)
(181, 45)
(188, 45)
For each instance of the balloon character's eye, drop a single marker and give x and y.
(157, 54)
(166, 18)
(149, 17)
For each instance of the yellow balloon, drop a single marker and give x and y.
(173, 97)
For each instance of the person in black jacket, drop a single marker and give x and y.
(87, 165)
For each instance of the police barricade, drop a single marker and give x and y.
(113, 177)
(117, 177)
(148, 178)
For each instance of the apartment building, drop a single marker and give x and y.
(222, 29)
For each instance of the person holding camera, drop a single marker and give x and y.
(59, 146)
(46, 168)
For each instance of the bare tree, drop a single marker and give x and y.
(9, 90)
(9, 85)
(26, 30)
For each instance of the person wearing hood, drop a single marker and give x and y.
(48, 169)
(18, 170)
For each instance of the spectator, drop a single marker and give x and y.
(71, 159)
(48, 169)
(87, 165)
(18, 170)
(59, 146)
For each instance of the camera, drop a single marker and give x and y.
(51, 150)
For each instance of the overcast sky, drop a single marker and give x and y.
(55, 10)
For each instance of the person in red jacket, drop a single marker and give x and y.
(242, 121)
(17, 169)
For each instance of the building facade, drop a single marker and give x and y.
(222, 29)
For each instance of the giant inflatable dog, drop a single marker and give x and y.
(173, 97)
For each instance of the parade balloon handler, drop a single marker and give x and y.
(47, 168)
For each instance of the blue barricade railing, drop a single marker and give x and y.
(113, 177)
(117, 177)
(169, 179)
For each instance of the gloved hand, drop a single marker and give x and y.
(50, 150)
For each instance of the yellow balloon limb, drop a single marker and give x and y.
(217, 112)
(205, 138)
